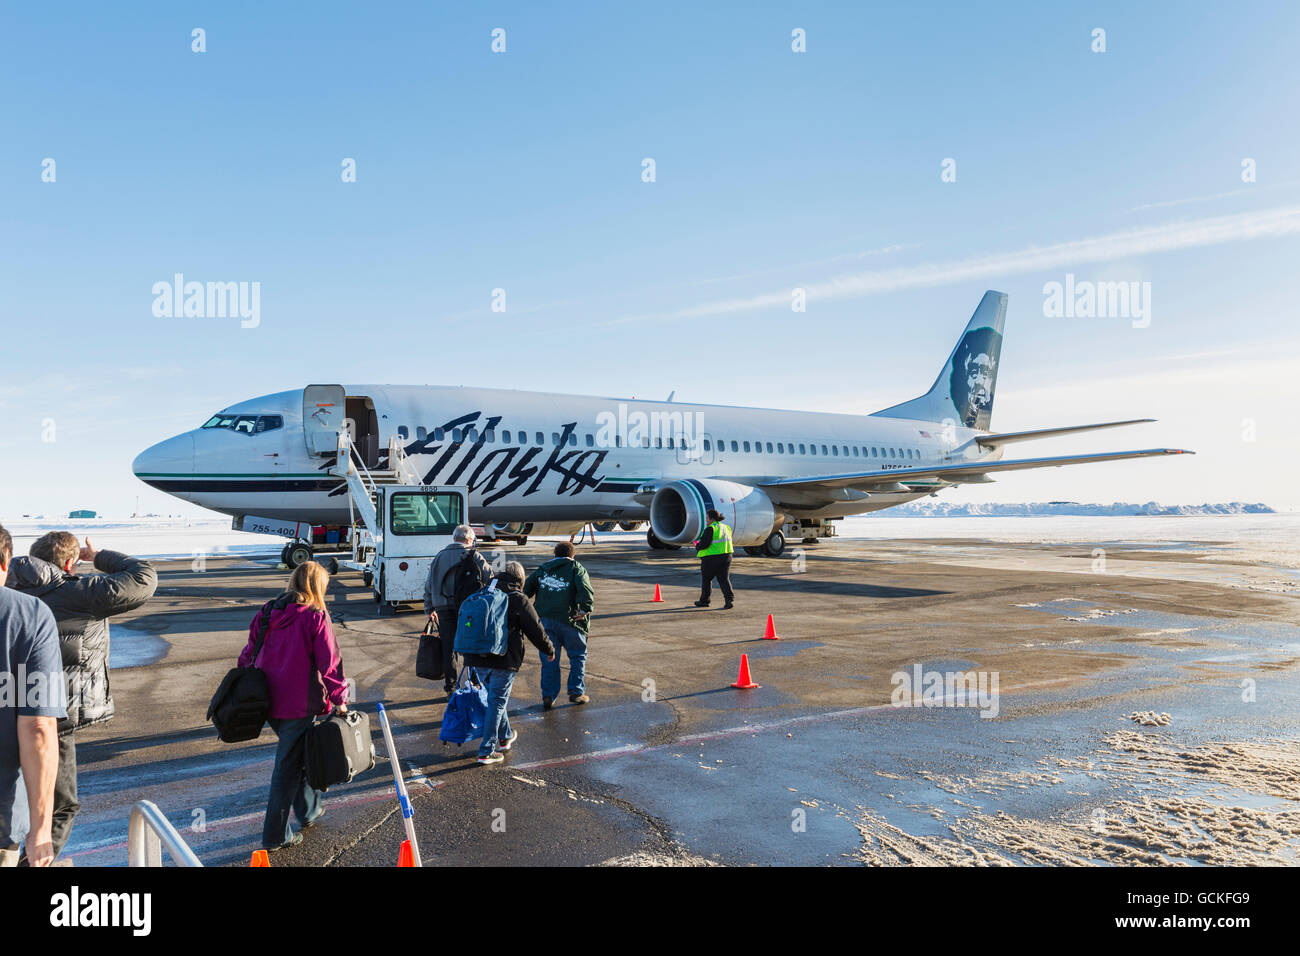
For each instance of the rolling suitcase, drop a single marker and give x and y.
(338, 748)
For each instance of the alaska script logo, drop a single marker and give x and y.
(503, 471)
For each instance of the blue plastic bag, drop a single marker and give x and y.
(462, 721)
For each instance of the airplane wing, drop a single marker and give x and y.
(1005, 438)
(897, 479)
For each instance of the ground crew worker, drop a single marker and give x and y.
(714, 550)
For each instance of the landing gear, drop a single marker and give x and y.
(629, 525)
(333, 566)
(367, 578)
(296, 553)
(771, 548)
(652, 539)
(603, 526)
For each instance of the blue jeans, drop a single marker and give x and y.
(574, 642)
(496, 723)
(289, 787)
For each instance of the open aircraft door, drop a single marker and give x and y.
(323, 411)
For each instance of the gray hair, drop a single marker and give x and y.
(513, 569)
(463, 533)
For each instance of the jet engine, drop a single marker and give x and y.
(677, 511)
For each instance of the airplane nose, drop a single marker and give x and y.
(168, 465)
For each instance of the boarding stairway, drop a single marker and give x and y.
(364, 483)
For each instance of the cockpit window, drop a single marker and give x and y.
(246, 424)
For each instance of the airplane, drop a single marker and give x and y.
(550, 463)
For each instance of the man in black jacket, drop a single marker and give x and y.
(81, 605)
(497, 671)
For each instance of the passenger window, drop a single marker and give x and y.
(780, 448)
(802, 450)
(855, 451)
(734, 446)
(824, 450)
(670, 442)
(472, 436)
(505, 437)
(835, 450)
(706, 445)
(540, 439)
(455, 435)
(490, 436)
(746, 446)
(555, 438)
(591, 440)
(402, 432)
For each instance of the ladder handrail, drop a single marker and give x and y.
(148, 831)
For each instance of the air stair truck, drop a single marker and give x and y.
(398, 524)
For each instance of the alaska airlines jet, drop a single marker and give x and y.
(559, 461)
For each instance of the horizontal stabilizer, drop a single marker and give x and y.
(957, 472)
(1006, 438)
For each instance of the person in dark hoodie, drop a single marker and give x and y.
(304, 678)
(82, 604)
(497, 671)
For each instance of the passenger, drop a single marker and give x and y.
(29, 716)
(714, 551)
(304, 676)
(497, 671)
(564, 602)
(82, 605)
(452, 578)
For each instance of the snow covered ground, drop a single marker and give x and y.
(1268, 538)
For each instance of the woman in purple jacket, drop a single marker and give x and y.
(304, 676)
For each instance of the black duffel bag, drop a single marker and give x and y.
(428, 656)
(242, 703)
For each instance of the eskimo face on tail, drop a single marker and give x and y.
(974, 374)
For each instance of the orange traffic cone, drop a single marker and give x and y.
(658, 598)
(404, 856)
(770, 633)
(743, 680)
(260, 858)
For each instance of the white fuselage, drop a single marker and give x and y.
(541, 457)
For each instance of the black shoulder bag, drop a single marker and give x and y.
(242, 703)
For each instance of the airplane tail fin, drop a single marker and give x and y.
(963, 392)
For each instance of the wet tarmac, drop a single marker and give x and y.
(668, 764)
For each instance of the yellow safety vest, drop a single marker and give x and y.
(721, 543)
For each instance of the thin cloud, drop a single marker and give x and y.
(1241, 227)
(1187, 200)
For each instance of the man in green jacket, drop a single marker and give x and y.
(564, 601)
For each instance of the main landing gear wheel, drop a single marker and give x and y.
(333, 566)
(604, 526)
(297, 554)
(774, 545)
(754, 550)
(367, 578)
(652, 539)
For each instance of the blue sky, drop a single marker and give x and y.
(774, 170)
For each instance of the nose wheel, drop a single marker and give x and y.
(296, 553)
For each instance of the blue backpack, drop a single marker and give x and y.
(481, 625)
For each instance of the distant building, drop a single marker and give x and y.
(81, 514)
